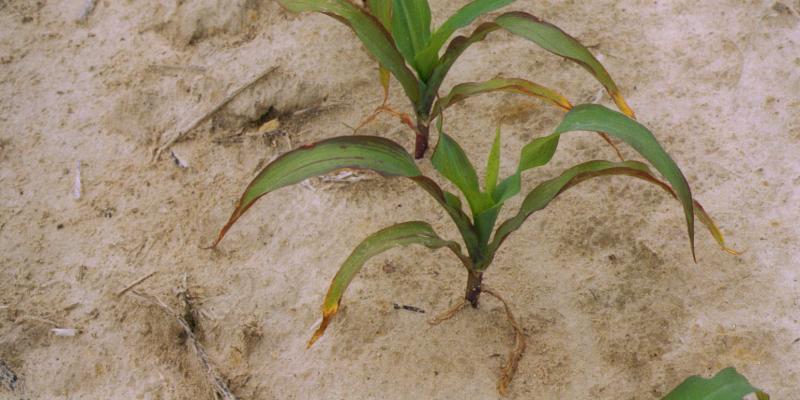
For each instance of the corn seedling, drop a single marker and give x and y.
(481, 236)
(398, 34)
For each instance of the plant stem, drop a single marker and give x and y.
(421, 143)
(473, 292)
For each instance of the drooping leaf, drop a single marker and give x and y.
(365, 152)
(451, 161)
(404, 234)
(514, 85)
(545, 192)
(725, 385)
(411, 27)
(427, 58)
(556, 41)
(493, 164)
(371, 33)
(593, 117)
(699, 211)
(544, 34)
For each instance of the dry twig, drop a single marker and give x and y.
(135, 283)
(214, 378)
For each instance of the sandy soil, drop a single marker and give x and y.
(602, 281)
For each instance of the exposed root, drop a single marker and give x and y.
(384, 108)
(449, 313)
(519, 346)
(214, 378)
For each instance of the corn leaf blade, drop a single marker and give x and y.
(544, 34)
(382, 10)
(452, 206)
(725, 385)
(371, 33)
(593, 117)
(463, 91)
(427, 58)
(556, 41)
(451, 161)
(404, 234)
(364, 152)
(411, 27)
(547, 191)
(493, 164)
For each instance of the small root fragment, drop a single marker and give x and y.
(519, 346)
(449, 313)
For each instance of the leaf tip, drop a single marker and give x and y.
(622, 104)
(327, 314)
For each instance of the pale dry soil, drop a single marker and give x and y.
(602, 281)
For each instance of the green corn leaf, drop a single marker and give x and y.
(534, 154)
(427, 58)
(545, 192)
(544, 34)
(365, 152)
(452, 206)
(538, 152)
(371, 33)
(404, 234)
(411, 27)
(556, 41)
(493, 164)
(593, 117)
(451, 161)
(382, 10)
(725, 385)
(514, 85)
(454, 50)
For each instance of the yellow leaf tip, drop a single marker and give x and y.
(327, 314)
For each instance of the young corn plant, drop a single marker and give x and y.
(398, 34)
(481, 236)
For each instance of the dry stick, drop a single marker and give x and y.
(519, 345)
(134, 284)
(206, 116)
(449, 313)
(217, 382)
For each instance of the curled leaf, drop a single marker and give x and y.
(404, 234)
